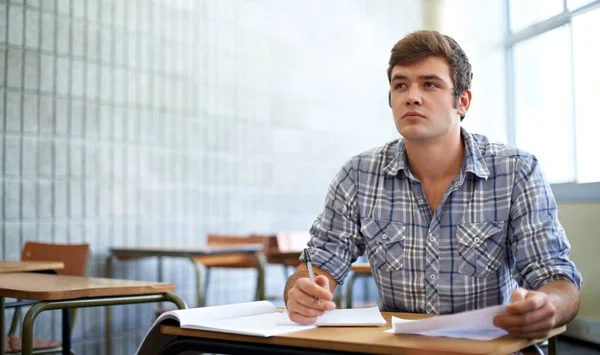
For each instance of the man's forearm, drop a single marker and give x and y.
(565, 298)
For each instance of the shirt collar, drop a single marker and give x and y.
(472, 162)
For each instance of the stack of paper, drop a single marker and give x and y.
(476, 325)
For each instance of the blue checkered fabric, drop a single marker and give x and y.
(495, 228)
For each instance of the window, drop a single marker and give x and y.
(524, 13)
(554, 84)
(586, 56)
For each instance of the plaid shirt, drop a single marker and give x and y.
(495, 228)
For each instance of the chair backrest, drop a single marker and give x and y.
(241, 260)
(226, 239)
(74, 256)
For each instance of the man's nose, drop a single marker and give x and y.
(413, 96)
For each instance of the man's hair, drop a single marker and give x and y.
(423, 44)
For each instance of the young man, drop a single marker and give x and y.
(449, 221)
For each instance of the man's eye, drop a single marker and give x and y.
(429, 84)
(399, 86)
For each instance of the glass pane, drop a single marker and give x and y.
(524, 13)
(543, 102)
(575, 4)
(586, 56)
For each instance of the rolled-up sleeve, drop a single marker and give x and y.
(538, 241)
(335, 235)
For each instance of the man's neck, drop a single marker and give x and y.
(436, 161)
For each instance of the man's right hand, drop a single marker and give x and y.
(302, 305)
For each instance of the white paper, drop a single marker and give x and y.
(201, 315)
(264, 325)
(354, 317)
(476, 324)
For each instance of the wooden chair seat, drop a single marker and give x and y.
(14, 344)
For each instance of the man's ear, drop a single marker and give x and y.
(464, 101)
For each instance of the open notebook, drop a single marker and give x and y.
(253, 318)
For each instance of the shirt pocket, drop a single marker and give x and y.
(385, 243)
(480, 247)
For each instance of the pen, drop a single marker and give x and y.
(311, 273)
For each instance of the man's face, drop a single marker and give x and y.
(422, 100)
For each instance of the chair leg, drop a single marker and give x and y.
(14, 323)
(337, 297)
(2, 338)
(349, 290)
(205, 287)
(553, 345)
(285, 273)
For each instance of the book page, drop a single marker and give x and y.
(353, 317)
(477, 324)
(195, 317)
(264, 325)
(202, 315)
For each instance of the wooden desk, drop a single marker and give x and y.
(341, 340)
(189, 252)
(22, 266)
(275, 256)
(67, 292)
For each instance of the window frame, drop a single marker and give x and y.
(563, 192)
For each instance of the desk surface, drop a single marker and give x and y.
(19, 266)
(371, 340)
(182, 250)
(45, 287)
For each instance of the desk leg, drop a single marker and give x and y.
(198, 267)
(2, 326)
(160, 269)
(260, 279)
(42, 306)
(159, 272)
(66, 331)
(107, 316)
(553, 345)
(27, 330)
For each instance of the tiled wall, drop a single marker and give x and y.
(134, 121)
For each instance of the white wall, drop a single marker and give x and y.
(159, 121)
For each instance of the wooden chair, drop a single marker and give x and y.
(75, 258)
(285, 250)
(235, 261)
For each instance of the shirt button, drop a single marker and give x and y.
(384, 236)
(421, 201)
(432, 276)
(431, 239)
(476, 240)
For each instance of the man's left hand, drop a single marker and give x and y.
(530, 315)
